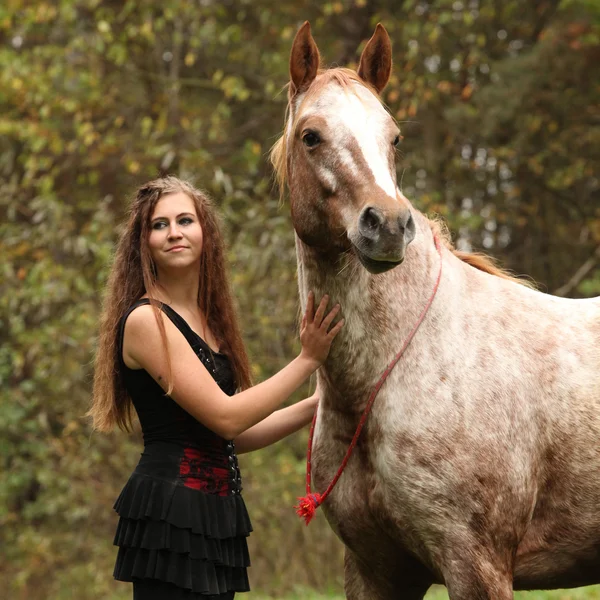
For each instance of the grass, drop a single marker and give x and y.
(439, 593)
(589, 593)
(436, 593)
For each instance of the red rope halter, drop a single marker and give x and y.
(307, 506)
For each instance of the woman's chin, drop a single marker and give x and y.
(178, 263)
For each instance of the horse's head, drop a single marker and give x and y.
(337, 156)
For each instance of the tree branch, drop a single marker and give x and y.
(579, 275)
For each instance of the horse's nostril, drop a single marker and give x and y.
(370, 219)
(370, 222)
(409, 228)
(409, 224)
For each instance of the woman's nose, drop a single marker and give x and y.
(174, 232)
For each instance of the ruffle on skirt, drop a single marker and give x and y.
(182, 536)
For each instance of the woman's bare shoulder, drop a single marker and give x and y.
(141, 318)
(141, 335)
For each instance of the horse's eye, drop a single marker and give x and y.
(311, 139)
(397, 140)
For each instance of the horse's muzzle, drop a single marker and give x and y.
(381, 240)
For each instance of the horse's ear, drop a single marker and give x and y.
(304, 61)
(376, 60)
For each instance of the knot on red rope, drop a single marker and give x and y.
(307, 506)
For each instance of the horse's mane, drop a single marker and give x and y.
(480, 261)
(345, 78)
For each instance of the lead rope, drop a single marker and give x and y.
(307, 505)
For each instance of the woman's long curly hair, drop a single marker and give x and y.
(132, 276)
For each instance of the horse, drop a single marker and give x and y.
(479, 464)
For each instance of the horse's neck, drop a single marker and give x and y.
(379, 310)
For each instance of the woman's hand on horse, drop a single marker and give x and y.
(316, 331)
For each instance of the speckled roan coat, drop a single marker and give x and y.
(479, 466)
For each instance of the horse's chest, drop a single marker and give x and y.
(355, 508)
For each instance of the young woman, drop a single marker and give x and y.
(170, 348)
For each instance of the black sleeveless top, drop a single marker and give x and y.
(182, 520)
(161, 418)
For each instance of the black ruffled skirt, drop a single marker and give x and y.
(173, 534)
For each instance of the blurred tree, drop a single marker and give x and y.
(499, 106)
(503, 101)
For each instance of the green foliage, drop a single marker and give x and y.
(498, 106)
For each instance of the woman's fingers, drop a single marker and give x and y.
(321, 310)
(330, 317)
(310, 307)
(335, 329)
(317, 330)
(318, 319)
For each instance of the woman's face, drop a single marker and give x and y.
(176, 239)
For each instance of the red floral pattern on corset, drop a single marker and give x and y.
(205, 472)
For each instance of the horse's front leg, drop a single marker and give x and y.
(475, 576)
(376, 582)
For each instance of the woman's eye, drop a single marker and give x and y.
(311, 139)
(158, 225)
(185, 221)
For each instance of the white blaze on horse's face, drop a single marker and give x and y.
(356, 131)
(340, 144)
(343, 142)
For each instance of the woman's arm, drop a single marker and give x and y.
(197, 392)
(277, 425)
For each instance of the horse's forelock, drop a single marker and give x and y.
(345, 78)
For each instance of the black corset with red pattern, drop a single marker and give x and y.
(209, 473)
